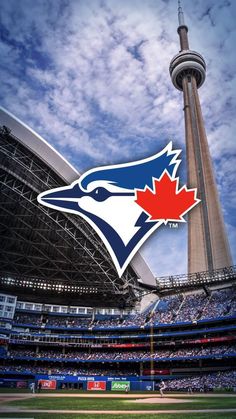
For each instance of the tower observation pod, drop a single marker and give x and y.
(208, 247)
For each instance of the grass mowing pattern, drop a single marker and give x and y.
(148, 416)
(68, 403)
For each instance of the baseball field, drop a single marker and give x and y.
(60, 405)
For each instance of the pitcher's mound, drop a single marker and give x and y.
(160, 400)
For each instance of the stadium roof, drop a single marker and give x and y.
(45, 254)
(178, 284)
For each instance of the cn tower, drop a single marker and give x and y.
(208, 247)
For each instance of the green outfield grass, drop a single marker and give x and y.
(73, 391)
(69, 403)
(148, 416)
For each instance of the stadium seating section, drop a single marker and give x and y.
(189, 339)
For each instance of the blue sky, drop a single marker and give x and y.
(92, 77)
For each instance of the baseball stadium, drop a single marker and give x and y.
(71, 327)
(77, 340)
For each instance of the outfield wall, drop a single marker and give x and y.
(98, 383)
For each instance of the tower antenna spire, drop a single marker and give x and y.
(180, 14)
(182, 29)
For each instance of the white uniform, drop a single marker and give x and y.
(162, 387)
(32, 387)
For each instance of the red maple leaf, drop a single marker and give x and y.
(166, 201)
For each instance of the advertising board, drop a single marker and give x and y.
(96, 385)
(48, 384)
(21, 384)
(120, 385)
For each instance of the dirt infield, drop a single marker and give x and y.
(160, 400)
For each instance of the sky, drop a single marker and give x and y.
(92, 78)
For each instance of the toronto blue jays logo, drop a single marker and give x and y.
(126, 203)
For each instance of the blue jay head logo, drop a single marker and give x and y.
(106, 197)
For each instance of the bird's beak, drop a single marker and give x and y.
(66, 197)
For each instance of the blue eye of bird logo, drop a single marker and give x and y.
(101, 194)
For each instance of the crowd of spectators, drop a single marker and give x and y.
(123, 355)
(204, 382)
(194, 307)
(54, 321)
(209, 350)
(75, 322)
(132, 320)
(222, 303)
(51, 370)
(180, 308)
(218, 304)
(27, 319)
(79, 322)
